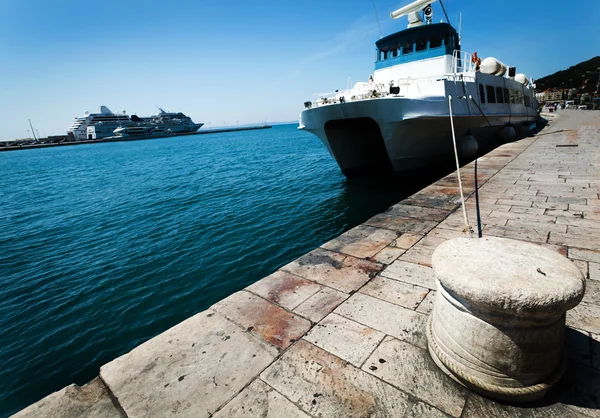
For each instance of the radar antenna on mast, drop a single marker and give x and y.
(414, 7)
(413, 11)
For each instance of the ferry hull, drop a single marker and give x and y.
(397, 134)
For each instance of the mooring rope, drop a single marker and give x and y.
(457, 371)
(462, 195)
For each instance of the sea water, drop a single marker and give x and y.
(104, 246)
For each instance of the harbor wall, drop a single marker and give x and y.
(341, 330)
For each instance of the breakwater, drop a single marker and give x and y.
(17, 147)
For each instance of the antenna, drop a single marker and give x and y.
(377, 17)
(444, 9)
(460, 29)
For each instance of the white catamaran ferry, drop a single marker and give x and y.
(399, 119)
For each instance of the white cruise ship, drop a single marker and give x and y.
(101, 125)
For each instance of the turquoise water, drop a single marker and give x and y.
(104, 246)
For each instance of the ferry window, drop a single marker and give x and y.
(435, 41)
(527, 101)
(491, 95)
(385, 54)
(499, 95)
(482, 93)
(520, 97)
(407, 48)
(421, 44)
(395, 51)
(506, 96)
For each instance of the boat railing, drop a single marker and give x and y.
(462, 62)
(364, 91)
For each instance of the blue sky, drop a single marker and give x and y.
(228, 62)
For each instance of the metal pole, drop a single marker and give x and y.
(32, 131)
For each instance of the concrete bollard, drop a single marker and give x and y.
(498, 321)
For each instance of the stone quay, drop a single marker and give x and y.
(342, 331)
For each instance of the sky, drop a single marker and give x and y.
(239, 61)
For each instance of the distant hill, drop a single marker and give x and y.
(573, 77)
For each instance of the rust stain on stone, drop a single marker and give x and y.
(270, 322)
(369, 269)
(284, 287)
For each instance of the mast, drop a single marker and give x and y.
(32, 131)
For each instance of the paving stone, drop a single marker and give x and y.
(527, 211)
(583, 254)
(594, 271)
(426, 306)
(551, 206)
(592, 292)
(325, 385)
(349, 340)
(344, 273)
(396, 292)
(592, 234)
(189, 370)
(421, 252)
(526, 204)
(566, 213)
(537, 226)
(405, 241)
(580, 223)
(285, 289)
(402, 323)
(585, 317)
(579, 391)
(401, 224)
(530, 198)
(411, 273)
(262, 318)
(572, 240)
(421, 213)
(484, 209)
(321, 304)
(388, 255)
(423, 379)
(522, 234)
(422, 410)
(578, 346)
(446, 233)
(480, 407)
(567, 200)
(362, 241)
(456, 221)
(88, 401)
(581, 265)
(260, 400)
(522, 217)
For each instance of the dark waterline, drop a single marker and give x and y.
(104, 246)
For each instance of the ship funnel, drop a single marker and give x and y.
(415, 6)
(105, 110)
